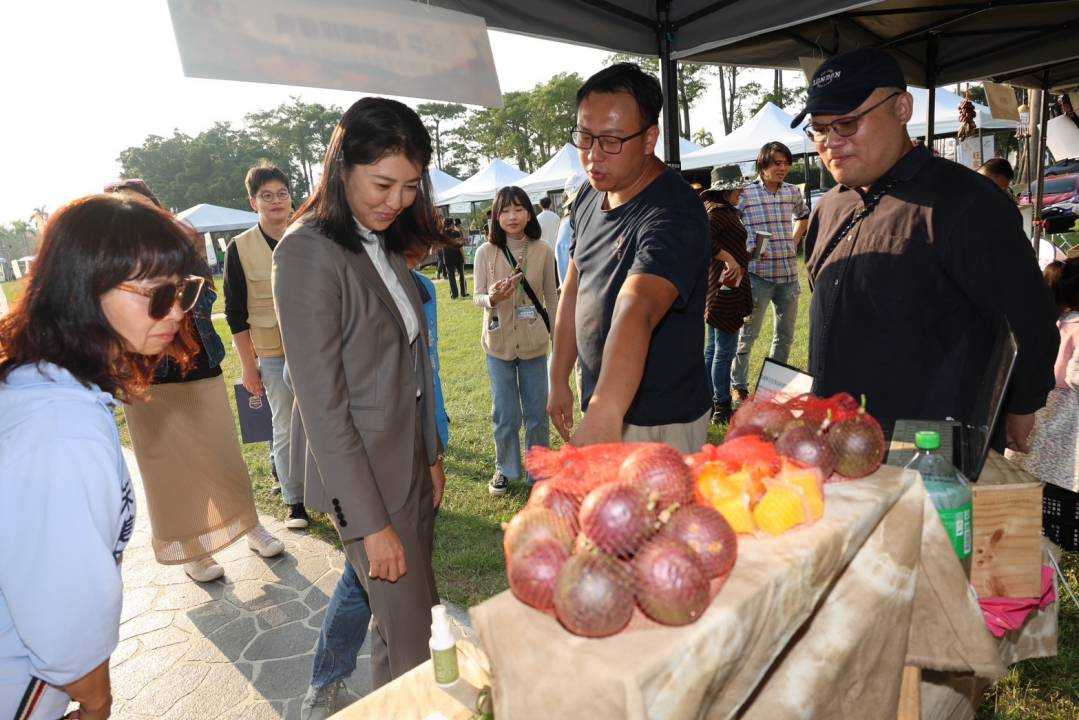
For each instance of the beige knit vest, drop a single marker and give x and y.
(256, 258)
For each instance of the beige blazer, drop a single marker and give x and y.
(352, 370)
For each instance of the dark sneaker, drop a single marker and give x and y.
(297, 517)
(739, 396)
(721, 413)
(464, 294)
(499, 484)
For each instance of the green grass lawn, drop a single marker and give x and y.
(468, 555)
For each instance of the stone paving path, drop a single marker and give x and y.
(239, 647)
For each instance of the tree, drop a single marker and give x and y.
(728, 97)
(17, 239)
(703, 138)
(692, 81)
(434, 114)
(554, 112)
(299, 132)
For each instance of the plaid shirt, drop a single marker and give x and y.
(773, 212)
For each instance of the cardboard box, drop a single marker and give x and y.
(1007, 556)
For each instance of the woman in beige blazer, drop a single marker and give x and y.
(515, 335)
(355, 343)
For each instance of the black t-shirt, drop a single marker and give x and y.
(663, 231)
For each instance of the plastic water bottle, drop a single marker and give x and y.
(949, 490)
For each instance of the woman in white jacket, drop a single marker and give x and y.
(105, 300)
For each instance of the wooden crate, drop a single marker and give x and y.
(1007, 556)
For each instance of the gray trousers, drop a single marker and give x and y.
(402, 609)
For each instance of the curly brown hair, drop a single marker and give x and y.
(88, 247)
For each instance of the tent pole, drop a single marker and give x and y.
(1043, 126)
(931, 84)
(668, 78)
(805, 161)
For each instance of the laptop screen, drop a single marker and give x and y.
(990, 398)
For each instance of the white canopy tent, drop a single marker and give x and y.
(685, 147)
(770, 123)
(440, 181)
(214, 218)
(946, 114)
(552, 175)
(483, 185)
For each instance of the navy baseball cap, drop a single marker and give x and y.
(843, 82)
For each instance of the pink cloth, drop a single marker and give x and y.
(1004, 614)
(1069, 346)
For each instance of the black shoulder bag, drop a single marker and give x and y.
(528, 288)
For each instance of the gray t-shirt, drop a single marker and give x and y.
(663, 231)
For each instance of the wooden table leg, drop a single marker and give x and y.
(910, 694)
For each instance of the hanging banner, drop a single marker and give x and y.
(1002, 103)
(390, 47)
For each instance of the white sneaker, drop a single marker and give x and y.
(261, 541)
(204, 569)
(320, 703)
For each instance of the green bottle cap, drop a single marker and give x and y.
(927, 440)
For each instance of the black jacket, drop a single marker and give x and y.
(904, 305)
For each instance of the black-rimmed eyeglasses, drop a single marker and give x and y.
(844, 126)
(610, 144)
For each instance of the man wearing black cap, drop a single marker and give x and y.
(912, 258)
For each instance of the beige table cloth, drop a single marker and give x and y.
(817, 623)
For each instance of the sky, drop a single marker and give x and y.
(84, 80)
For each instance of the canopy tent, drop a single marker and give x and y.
(946, 114)
(214, 218)
(1030, 43)
(441, 181)
(770, 123)
(685, 147)
(552, 175)
(483, 185)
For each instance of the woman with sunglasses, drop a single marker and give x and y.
(363, 425)
(105, 300)
(198, 490)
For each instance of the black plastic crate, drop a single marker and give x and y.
(1060, 505)
(1063, 534)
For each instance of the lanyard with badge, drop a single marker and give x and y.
(525, 312)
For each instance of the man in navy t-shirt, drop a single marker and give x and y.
(632, 305)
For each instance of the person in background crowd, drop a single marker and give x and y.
(344, 626)
(768, 205)
(564, 241)
(729, 299)
(1054, 442)
(548, 222)
(249, 309)
(914, 261)
(197, 488)
(1000, 172)
(364, 429)
(104, 301)
(454, 259)
(633, 299)
(516, 287)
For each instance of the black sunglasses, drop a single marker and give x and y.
(163, 296)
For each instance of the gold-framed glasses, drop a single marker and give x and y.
(163, 296)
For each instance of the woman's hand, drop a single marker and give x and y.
(734, 273)
(503, 289)
(438, 481)
(385, 555)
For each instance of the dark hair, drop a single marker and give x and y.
(374, 128)
(545, 202)
(88, 247)
(764, 157)
(261, 174)
(133, 185)
(1062, 277)
(629, 78)
(512, 195)
(999, 166)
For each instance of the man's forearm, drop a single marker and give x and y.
(624, 356)
(800, 229)
(564, 354)
(245, 349)
(93, 690)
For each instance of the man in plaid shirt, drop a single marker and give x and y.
(776, 207)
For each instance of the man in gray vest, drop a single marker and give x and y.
(249, 309)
